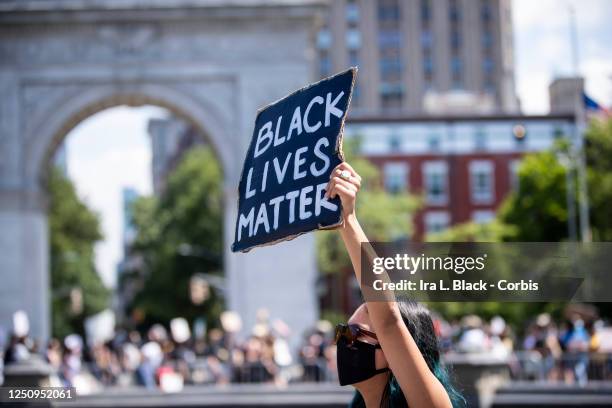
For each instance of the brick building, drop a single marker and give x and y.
(462, 166)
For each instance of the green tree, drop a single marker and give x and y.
(76, 288)
(180, 235)
(384, 216)
(538, 209)
(599, 173)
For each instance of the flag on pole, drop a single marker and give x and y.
(593, 108)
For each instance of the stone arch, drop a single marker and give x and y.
(53, 126)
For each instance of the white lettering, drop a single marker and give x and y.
(307, 127)
(330, 107)
(298, 162)
(304, 201)
(296, 123)
(317, 152)
(261, 137)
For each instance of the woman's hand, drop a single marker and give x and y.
(344, 182)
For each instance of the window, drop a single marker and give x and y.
(324, 65)
(394, 143)
(426, 39)
(396, 176)
(390, 67)
(352, 12)
(488, 66)
(485, 11)
(388, 10)
(436, 221)
(391, 94)
(487, 40)
(480, 139)
(454, 14)
(389, 39)
(481, 181)
(433, 141)
(435, 174)
(455, 39)
(483, 216)
(353, 58)
(425, 10)
(356, 97)
(456, 64)
(324, 39)
(353, 39)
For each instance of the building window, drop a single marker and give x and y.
(482, 181)
(436, 184)
(389, 39)
(388, 10)
(394, 143)
(425, 10)
(483, 216)
(558, 133)
(352, 12)
(324, 39)
(426, 39)
(455, 39)
(324, 64)
(480, 139)
(433, 142)
(454, 14)
(457, 72)
(485, 11)
(436, 221)
(390, 68)
(488, 66)
(391, 95)
(354, 58)
(396, 177)
(356, 97)
(487, 40)
(353, 39)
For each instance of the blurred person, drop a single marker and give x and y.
(53, 354)
(500, 339)
(542, 339)
(473, 338)
(575, 341)
(388, 350)
(152, 357)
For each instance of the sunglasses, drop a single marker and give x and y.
(350, 332)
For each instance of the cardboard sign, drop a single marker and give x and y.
(297, 142)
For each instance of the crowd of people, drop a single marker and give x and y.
(169, 358)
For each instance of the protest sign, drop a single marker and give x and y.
(297, 142)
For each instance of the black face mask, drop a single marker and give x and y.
(356, 362)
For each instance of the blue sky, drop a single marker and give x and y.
(111, 149)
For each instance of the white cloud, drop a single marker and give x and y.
(107, 152)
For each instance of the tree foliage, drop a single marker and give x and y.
(384, 216)
(599, 164)
(180, 235)
(76, 288)
(537, 211)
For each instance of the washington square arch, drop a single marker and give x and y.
(211, 62)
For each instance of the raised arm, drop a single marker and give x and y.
(419, 385)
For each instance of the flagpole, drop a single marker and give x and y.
(583, 196)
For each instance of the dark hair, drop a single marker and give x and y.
(417, 319)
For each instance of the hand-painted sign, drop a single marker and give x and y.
(296, 144)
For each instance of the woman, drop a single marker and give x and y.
(388, 351)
